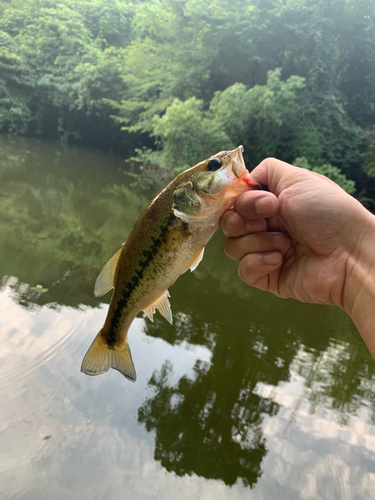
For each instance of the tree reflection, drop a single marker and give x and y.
(61, 219)
(341, 378)
(211, 431)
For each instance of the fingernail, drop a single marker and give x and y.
(281, 243)
(265, 206)
(272, 258)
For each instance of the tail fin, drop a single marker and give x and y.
(100, 358)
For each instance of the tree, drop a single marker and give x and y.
(329, 171)
(289, 78)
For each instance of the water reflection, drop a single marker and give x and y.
(59, 223)
(244, 395)
(202, 430)
(339, 378)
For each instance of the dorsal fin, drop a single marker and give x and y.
(162, 303)
(106, 279)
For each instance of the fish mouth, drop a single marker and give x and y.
(238, 164)
(234, 165)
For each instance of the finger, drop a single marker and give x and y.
(256, 204)
(255, 268)
(237, 248)
(234, 225)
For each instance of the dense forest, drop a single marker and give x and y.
(170, 82)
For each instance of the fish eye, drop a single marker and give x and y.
(213, 164)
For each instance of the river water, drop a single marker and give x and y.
(246, 396)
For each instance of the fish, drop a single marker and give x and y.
(167, 240)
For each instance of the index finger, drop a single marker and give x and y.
(234, 225)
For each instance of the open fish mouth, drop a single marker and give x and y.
(234, 168)
(234, 160)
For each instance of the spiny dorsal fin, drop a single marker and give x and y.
(100, 358)
(162, 303)
(197, 259)
(106, 279)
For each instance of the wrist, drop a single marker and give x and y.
(358, 298)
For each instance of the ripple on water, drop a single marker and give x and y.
(32, 339)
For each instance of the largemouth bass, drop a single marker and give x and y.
(168, 239)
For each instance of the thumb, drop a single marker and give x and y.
(277, 175)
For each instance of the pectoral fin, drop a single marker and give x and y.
(162, 303)
(106, 279)
(196, 260)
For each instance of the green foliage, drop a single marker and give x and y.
(333, 173)
(178, 80)
(263, 117)
(3, 7)
(369, 164)
(15, 80)
(188, 134)
(61, 60)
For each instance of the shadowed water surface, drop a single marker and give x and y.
(245, 396)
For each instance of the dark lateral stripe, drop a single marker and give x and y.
(147, 256)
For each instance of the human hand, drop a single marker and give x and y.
(306, 238)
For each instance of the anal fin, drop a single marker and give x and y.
(164, 307)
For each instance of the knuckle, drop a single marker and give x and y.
(231, 224)
(241, 271)
(267, 162)
(228, 222)
(245, 268)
